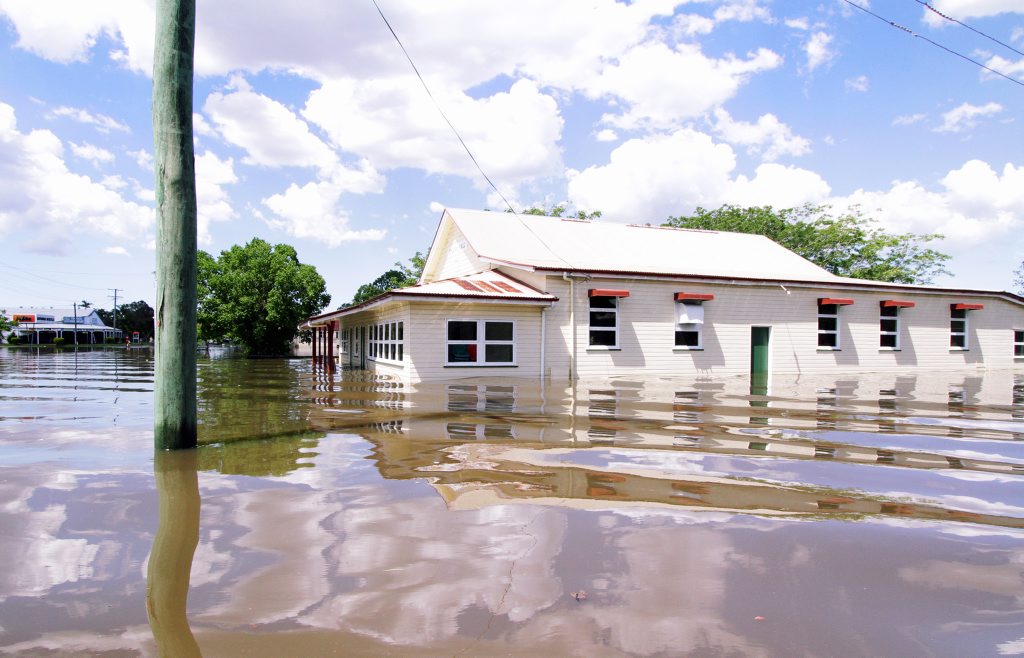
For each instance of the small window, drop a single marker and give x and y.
(386, 342)
(604, 321)
(828, 326)
(889, 328)
(689, 325)
(480, 342)
(1018, 344)
(958, 329)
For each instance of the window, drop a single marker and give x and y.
(958, 329)
(689, 323)
(480, 342)
(346, 340)
(387, 342)
(604, 322)
(889, 328)
(1018, 344)
(828, 326)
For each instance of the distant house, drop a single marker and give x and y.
(525, 296)
(43, 325)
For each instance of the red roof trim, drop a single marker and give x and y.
(838, 301)
(695, 296)
(607, 292)
(898, 303)
(967, 307)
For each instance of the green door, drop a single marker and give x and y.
(759, 340)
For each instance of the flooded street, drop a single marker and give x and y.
(337, 514)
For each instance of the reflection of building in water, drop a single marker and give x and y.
(485, 399)
(601, 410)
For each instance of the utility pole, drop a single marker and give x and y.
(175, 416)
(74, 305)
(115, 290)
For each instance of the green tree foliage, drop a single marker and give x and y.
(134, 316)
(558, 210)
(6, 323)
(848, 245)
(401, 276)
(1019, 280)
(256, 296)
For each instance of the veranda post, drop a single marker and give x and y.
(175, 342)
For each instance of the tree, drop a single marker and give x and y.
(848, 245)
(6, 324)
(85, 304)
(558, 210)
(256, 296)
(134, 316)
(1019, 280)
(401, 276)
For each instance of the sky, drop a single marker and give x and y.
(312, 128)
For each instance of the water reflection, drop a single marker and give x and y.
(461, 519)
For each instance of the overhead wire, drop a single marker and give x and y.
(934, 43)
(961, 23)
(441, 111)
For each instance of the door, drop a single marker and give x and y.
(362, 348)
(760, 352)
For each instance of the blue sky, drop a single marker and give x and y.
(311, 128)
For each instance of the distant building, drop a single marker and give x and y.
(506, 295)
(42, 325)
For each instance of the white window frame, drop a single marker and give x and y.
(346, 340)
(1018, 343)
(385, 344)
(882, 317)
(829, 348)
(613, 330)
(965, 334)
(481, 344)
(697, 327)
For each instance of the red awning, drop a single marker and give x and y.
(607, 292)
(838, 301)
(695, 296)
(899, 303)
(967, 307)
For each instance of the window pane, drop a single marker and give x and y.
(827, 309)
(602, 319)
(826, 340)
(400, 350)
(462, 354)
(957, 326)
(687, 338)
(400, 336)
(957, 340)
(603, 302)
(890, 311)
(887, 340)
(827, 324)
(1018, 350)
(888, 325)
(461, 330)
(498, 331)
(602, 338)
(958, 313)
(498, 353)
(1018, 336)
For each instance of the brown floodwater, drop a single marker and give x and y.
(343, 514)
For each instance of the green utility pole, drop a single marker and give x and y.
(175, 365)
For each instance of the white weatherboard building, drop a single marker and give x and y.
(506, 295)
(43, 325)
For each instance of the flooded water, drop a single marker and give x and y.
(338, 514)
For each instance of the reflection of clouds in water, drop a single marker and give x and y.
(1000, 579)
(419, 566)
(1012, 648)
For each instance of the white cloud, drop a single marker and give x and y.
(975, 204)
(652, 178)
(115, 251)
(819, 50)
(769, 137)
(799, 23)
(860, 83)
(606, 135)
(1006, 67)
(103, 123)
(662, 87)
(964, 9)
(965, 116)
(513, 135)
(143, 158)
(270, 133)
(41, 198)
(213, 202)
(909, 119)
(688, 25)
(92, 153)
(744, 12)
(201, 127)
(313, 210)
(436, 207)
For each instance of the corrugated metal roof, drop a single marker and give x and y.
(567, 244)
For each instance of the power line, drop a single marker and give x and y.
(440, 111)
(24, 272)
(937, 45)
(953, 20)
